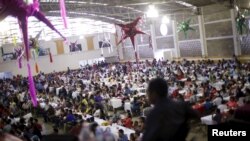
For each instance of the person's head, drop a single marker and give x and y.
(218, 111)
(142, 120)
(132, 137)
(136, 123)
(137, 134)
(55, 130)
(120, 132)
(157, 89)
(36, 120)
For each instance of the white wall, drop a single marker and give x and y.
(60, 62)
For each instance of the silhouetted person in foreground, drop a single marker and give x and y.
(168, 119)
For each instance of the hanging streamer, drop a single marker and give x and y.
(63, 13)
(19, 53)
(37, 68)
(20, 10)
(14, 40)
(32, 89)
(50, 57)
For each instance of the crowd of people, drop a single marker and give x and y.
(69, 99)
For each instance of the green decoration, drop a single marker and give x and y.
(241, 23)
(185, 27)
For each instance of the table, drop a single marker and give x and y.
(208, 120)
(200, 95)
(127, 106)
(114, 127)
(182, 92)
(116, 103)
(226, 98)
(27, 117)
(53, 104)
(183, 80)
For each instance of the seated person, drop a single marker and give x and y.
(127, 122)
(217, 117)
(122, 136)
(70, 117)
(217, 100)
(208, 104)
(135, 106)
(222, 106)
(232, 103)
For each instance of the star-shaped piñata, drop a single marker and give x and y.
(22, 10)
(130, 30)
(185, 27)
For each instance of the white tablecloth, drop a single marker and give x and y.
(27, 117)
(207, 120)
(226, 98)
(53, 104)
(116, 103)
(114, 127)
(199, 95)
(127, 106)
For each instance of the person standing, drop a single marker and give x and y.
(168, 119)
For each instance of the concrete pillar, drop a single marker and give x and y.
(237, 48)
(176, 39)
(153, 37)
(202, 36)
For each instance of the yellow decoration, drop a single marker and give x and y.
(14, 40)
(105, 123)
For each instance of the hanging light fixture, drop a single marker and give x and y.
(152, 12)
(81, 37)
(165, 20)
(164, 29)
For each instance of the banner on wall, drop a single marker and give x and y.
(104, 44)
(73, 47)
(6, 75)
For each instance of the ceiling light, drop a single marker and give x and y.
(165, 20)
(29, 1)
(47, 38)
(164, 29)
(185, 3)
(237, 8)
(152, 12)
(81, 37)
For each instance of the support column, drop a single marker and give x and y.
(237, 48)
(153, 38)
(176, 39)
(202, 36)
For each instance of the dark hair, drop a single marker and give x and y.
(121, 131)
(142, 119)
(158, 86)
(217, 110)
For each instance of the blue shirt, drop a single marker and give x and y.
(98, 99)
(70, 118)
(123, 138)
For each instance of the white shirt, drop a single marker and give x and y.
(217, 101)
(97, 113)
(222, 107)
(75, 94)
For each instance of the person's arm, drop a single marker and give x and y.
(191, 113)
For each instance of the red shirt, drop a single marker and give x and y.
(232, 104)
(127, 122)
